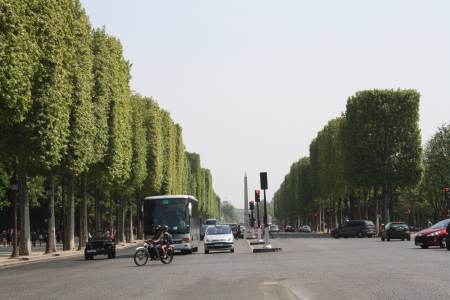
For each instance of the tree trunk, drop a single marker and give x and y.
(121, 221)
(83, 214)
(140, 229)
(98, 212)
(25, 244)
(69, 227)
(391, 203)
(130, 223)
(51, 237)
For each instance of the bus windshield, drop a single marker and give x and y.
(170, 212)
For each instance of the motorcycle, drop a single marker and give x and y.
(142, 254)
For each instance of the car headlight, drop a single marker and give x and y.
(229, 239)
(434, 233)
(207, 241)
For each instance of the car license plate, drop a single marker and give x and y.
(419, 244)
(90, 251)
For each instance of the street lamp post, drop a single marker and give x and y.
(14, 188)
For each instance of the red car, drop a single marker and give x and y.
(433, 236)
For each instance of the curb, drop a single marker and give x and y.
(24, 260)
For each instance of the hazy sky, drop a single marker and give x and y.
(252, 82)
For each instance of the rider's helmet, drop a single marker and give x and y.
(165, 228)
(158, 228)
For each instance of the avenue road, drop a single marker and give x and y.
(319, 268)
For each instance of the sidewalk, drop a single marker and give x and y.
(40, 256)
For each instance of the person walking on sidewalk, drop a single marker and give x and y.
(33, 238)
(41, 238)
(8, 237)
(3, 238)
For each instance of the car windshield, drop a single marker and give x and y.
(441, 224)
(218, 230)
(398, 225)
(369, 223)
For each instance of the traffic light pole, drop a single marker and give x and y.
(257, 214)
(265, 210)
(266, 226)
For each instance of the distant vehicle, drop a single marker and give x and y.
(274, 228)
(354, 228)
(202, 231)
(101, 246)
(395, 230)
(180, 213)
(432, 236)
(242, 231)
(211, 222)
(219, 237)
(289, 228)
(305, 228)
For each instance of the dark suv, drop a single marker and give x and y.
(354, 228)
(395, 230)
(100, 247)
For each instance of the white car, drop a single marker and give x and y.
(218, 237)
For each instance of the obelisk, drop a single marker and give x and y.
(246, 218)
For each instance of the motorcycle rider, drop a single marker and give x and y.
(156, 240)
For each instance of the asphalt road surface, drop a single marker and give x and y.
(306, 269)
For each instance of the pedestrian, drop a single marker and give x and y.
(8, 237)
(238, 232)
(33, 238)
(41, 238)
(3, 238)
(429, 224)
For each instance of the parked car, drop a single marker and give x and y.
(100, 247)
(305, 228)
(395, 230)
(432, 236)
(289, 228)
(354, 228)
(219, 237)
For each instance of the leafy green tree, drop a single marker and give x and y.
(228, 213)
(169, 157)
(155, 151)
(120, 151)
(381, 138)
(139, 161)
(80, 147)
(437, 174)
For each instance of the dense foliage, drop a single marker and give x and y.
(369, 164)
(69, 124)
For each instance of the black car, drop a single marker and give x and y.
(395, 230)
(354, 228)
(100, 247)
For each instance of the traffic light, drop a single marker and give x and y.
(257, 195)
(252, 205)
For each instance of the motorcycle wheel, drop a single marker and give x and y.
(168, 258)
(140, 257)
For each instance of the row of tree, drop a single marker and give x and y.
(72, 130)
(369, 163)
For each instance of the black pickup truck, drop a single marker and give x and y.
(100, 247)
